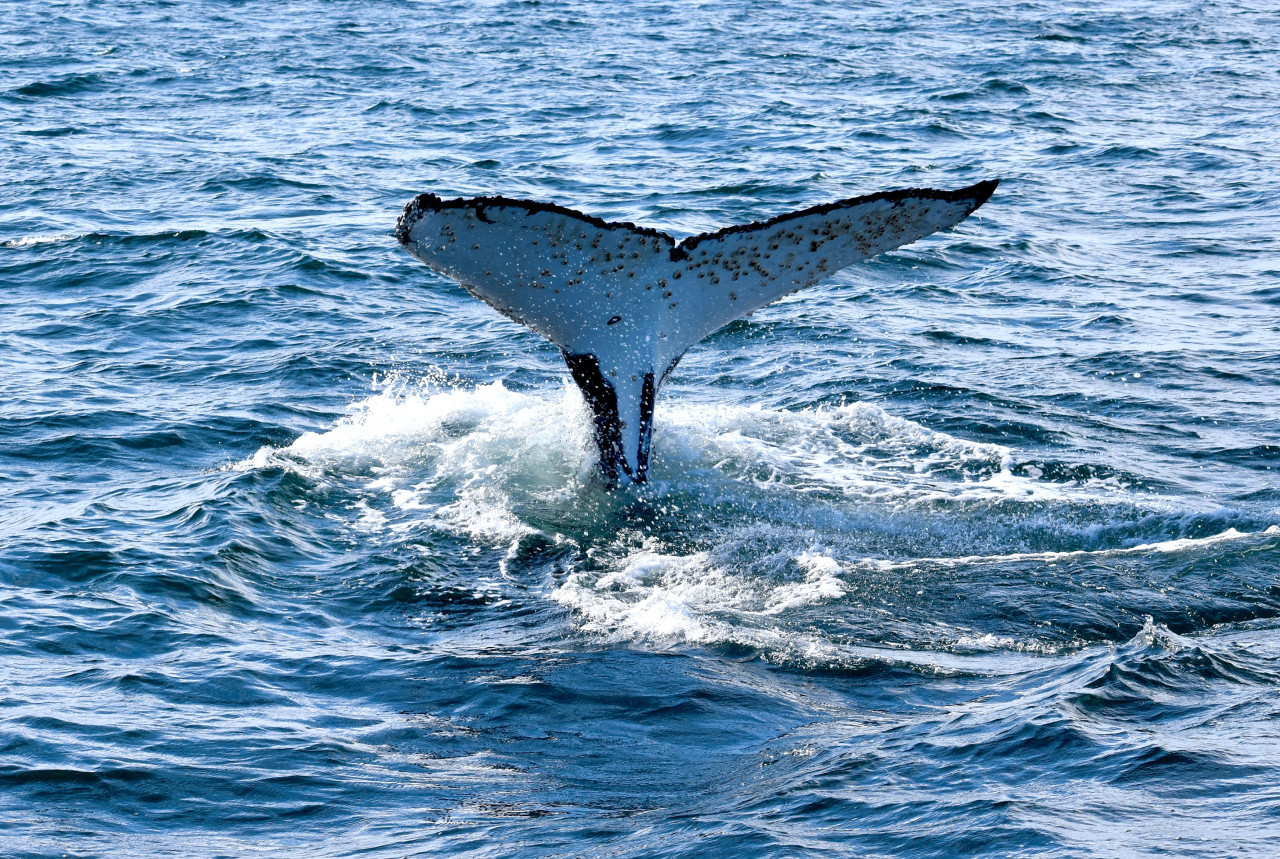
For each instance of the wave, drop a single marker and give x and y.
(126, 240)
(69, 84)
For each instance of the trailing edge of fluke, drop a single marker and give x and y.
(624, 303)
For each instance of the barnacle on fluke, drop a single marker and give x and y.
(620, 336)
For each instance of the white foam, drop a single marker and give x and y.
(648, 595)
(31, 241)
(857, 449)
(413, 440)
(1182, 544)
(821, 583)
(438, 454)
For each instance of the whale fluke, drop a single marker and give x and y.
(623, 302)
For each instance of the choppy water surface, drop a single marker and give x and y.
(973, 550)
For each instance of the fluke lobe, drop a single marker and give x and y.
(623, 302)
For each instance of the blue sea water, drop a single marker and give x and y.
(973, 550)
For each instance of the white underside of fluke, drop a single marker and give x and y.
(634, 300)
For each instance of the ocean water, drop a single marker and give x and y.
(973, 550)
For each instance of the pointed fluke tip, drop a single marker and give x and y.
(981, 192)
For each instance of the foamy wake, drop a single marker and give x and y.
(455, 454)
(493, 465)
(1181, 544)
(668, 599)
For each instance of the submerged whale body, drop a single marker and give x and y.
(624, 303)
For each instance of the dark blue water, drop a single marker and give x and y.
(972, 550)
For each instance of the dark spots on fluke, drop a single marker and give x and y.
(430, 202)
(977, 194)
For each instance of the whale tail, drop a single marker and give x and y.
(623, 302)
